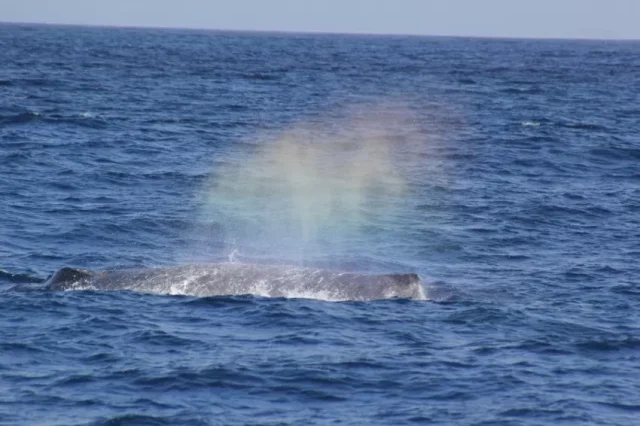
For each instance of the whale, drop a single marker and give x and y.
(236, 279)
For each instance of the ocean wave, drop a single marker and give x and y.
(85, 119)
(18, 278)
(522, 91)
(616, 153)
(260, 76)
(609, 344)
(141, 420)
(582, 126)
(20, 118)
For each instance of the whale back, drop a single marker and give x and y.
(407, 286)
(405, 279)
(66, 277)
(242, 279)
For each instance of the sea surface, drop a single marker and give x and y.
(506, 173)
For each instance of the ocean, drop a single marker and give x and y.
(506, 173)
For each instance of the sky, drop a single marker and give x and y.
(609, 19)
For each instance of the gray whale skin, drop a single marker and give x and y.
(229, 279)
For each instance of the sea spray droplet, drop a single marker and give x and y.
(316, 186)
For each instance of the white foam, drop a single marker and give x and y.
(423, 292)
(530, 123)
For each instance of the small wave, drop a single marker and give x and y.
(241, 301)
(160, 338)
(627, 289)
(20, 348)
(36, 82)
(622, 406)
(133, 419)
(610, 344)
(530, 123)
(583, 126)
(21, 118)
(528, 91)
(235, 107)
(477, 315)
(260, 76)
(39, 82)
(18, 278)
(616, 153)
(85, 119)
(207, 378)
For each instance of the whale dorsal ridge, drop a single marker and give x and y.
(68, 275)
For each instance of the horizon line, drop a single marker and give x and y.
(317, 32)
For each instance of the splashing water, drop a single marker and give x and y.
(233, 256)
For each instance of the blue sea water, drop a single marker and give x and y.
(518, 168)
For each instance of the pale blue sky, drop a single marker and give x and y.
(504, 18)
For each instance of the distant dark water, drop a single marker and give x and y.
(522, 213)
